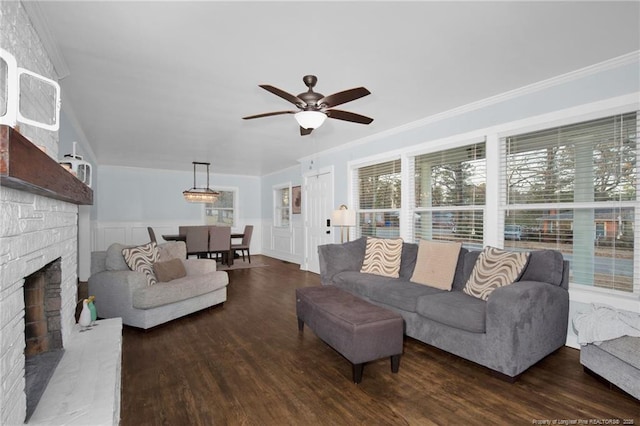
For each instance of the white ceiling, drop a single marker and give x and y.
(162, 84)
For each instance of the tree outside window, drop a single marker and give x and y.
(221, 212)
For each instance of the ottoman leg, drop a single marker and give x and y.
(357, 372)
(395, 363)
(300, 325)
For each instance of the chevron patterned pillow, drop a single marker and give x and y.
(382, 257)
(494, 268)
(141, 259)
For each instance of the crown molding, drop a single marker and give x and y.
(629, 58)
(39, 22)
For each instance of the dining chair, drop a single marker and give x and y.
(246, 242)
(197, 240)
(220, 242)
(152, 235)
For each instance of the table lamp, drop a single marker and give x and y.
(344, 218)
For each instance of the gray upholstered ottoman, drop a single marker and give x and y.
(358, 330)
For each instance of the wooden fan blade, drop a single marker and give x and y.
(284, 95)
(304, 132)
(268, 114)
(348, 116)
(343, 97)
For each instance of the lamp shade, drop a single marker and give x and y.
(343, 217)
(310, 119)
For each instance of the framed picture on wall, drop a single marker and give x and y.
(296, 198)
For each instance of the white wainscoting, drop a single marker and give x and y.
(283, 243)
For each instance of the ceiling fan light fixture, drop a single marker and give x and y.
(310, 119)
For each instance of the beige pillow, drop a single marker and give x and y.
(141, 259)
(382, 257)
(169, 270)
(436, 264)
(494, 268)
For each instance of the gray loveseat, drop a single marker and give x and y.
(121, 292)
(517, 326)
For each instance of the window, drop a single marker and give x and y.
(575, 189)
(282, 203)
(378, 194)
(450, 195)
(222, 212)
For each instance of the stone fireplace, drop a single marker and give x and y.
(38, 229)
(42, 310)
(35, 231)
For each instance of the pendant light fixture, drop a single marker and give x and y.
(200, 195)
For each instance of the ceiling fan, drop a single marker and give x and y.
(314, 107)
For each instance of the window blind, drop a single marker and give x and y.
(378, 191)
(574, 188)
(449, 194)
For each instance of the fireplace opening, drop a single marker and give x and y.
(43, 331)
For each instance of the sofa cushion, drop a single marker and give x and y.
(460, 279)
(178, 290)
(382, 257)
(493, 269)
(358, 283)
(141, 259)
(400, 294)
(408, 260)
(336, 258)
(436, 264)
(545, 266)
(454, 309)
(169, 270)
(470, 260)
(115, 260)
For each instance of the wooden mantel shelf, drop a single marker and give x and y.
(25, 167)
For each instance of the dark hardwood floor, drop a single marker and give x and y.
(246, 364)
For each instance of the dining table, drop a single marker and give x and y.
(179, 237)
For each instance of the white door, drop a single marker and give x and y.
(318, 205)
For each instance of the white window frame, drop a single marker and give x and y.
(459, 141)
(235, 215)
(354, 199)
(278, 207)
(568, 120)
(494, 228)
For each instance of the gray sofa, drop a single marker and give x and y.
(121, 292)
(517, 326)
